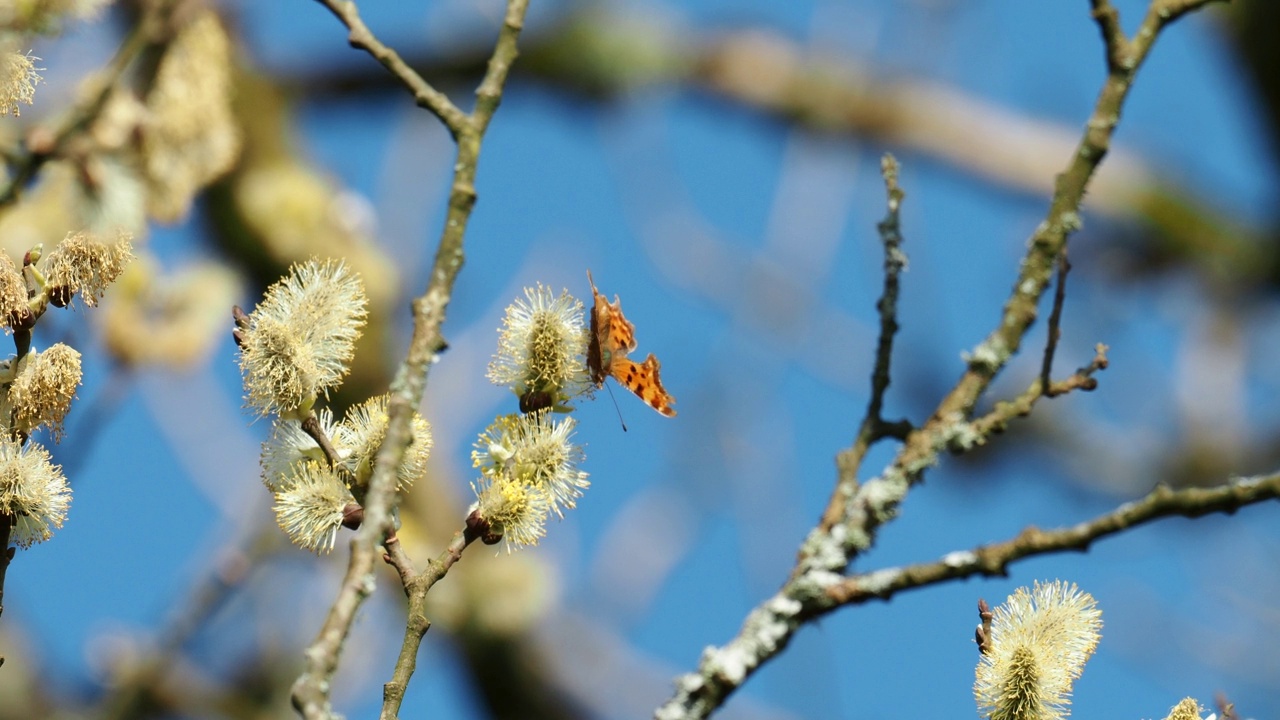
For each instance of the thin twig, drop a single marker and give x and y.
(1055, 323)
(873, 426)
(895, 262)
(1004, 412)
(1113, 39)
(994, 560)
(360, 37)
(417, 623)
(311, 426)
(45, 143)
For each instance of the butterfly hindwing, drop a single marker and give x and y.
(643, 380)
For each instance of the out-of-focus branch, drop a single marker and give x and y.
(227, 576)
(601, 55)
(44, 143)
(311, 694)
(994, 560)
(855, 512)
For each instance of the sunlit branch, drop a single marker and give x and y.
(310, 694)
(855, 511)
(994, 560)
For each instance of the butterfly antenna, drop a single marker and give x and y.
(615, 407)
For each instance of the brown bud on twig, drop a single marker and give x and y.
(22, 319)
(536, 400)
(982, 635)
(478, 527)
(60, 296)
(352, 516)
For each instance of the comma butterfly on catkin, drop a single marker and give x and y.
(612, 337)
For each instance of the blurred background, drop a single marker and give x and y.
(715, 164)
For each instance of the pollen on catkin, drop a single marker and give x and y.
(364, 429)
(33, 492)
(299, 341)
(42, 392)
(1187, 709)
(541, 346)
(85, 266)
(13, 292)
(514, 510)
(309, 506)
(1039, 643)
(534, 450)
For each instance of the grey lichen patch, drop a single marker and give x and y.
(879, 582)
(1070, 221)
(765, 632)
(883, 495)
(961, 436)
(988, 357)
(824, 550)
(960, 558)
(811, 587)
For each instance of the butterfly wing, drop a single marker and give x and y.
(612, 338)
(643, 380)
(612, 335)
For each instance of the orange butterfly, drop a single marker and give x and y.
(612, 337)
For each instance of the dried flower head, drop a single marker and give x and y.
(191, 138)
(1188, 709)
(33, 492)
(363, 431)
(534, 450)
(300, 339)
(42, 392)
(13, 292)
(1039, 643)
(288, 446)
(309, 506)
(541, 346)
(18, 78)
(82, 265)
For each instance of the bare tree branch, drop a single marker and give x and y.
(855, 512)
(361, 38)
(994, 560)
(311, 691)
